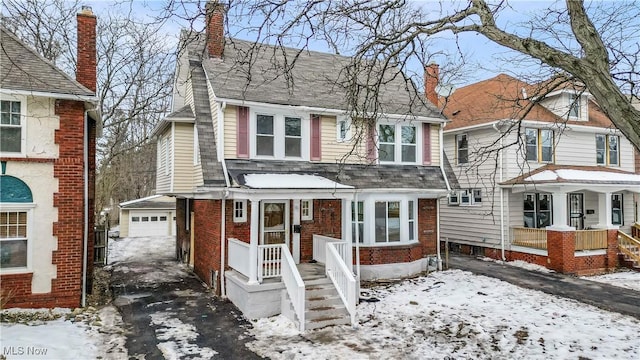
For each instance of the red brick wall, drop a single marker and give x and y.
(327, 221)
(561, 246)
(240, 230)
(207, 243)
(427, 225)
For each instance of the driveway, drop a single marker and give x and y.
(167, 311)
(603, 296)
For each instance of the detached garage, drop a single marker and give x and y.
(151, 216)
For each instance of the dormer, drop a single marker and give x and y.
(569, 104)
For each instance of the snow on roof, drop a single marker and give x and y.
(582, 175)
(291, 181)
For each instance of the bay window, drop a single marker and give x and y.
(384, 220)
(387, 220)
(357, 220)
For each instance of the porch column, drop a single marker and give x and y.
(637, 207)
(346, 228)
(560, 221)
(296, 235)
(253, 242)
(604, 210)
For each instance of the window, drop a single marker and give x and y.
(607, 150)
(145, 218)
(539, 145)
(412, 220)
(239, 211)
(264, 135)
(357, 220)
(306, 209)
(13, 239)
(154, 218)
(617, 215)
(343, 130)
(163, 218)
(11, 125)
(135, 218)
(466, 197)
(462, 149)
(387, 221)
(537, 210)
(392, 148)
(280, 136)
(574, 106)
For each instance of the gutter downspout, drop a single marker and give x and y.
(85, 230)
(446, 180)
(500, 177)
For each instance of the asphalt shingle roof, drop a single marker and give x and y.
(21, 68)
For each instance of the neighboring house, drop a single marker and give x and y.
(266, 174)
(47, 150)
(557, 196)
(150, 216)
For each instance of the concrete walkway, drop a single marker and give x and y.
(603, 296)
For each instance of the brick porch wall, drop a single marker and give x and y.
(327, 221)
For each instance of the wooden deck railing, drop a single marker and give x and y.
(635, 231)
(629, 246)
(591, 239)
(529, 237)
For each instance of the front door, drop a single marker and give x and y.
(275, 222)
(576, 210)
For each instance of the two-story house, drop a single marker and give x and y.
(545, 179)
(271, 171)
(47, 151)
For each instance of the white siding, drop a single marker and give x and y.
(334, 151)
(230, 132)
(183, 168)
(435, 145)
(163, 179)
(124, 223)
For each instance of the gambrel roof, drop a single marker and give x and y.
(23, 69)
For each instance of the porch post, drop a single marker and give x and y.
(604, 210)
(253, 242)
(346, 228)
(296, 235)
(637, 207)
(560, 211)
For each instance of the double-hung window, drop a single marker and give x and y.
(11, 126)
(539, 145)
(343, 129)
(574, 106)
(537, 210)
(280, 136)
(607, 150)
(306, 210)
(397, 143)
(462, 149)
(13, 239)
(239, 211)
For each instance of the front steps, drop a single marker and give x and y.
(323, 306)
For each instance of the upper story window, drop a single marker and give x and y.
(539, 145)
(280, 136)
(343, 129)
(462, 149)
(11, 126)
(397, 143)
(607, 150)
(574, 106)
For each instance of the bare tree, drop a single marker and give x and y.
(135, 69)
(596, 44)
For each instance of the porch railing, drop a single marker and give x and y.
(635, 231)
(320, 247)
(293, 283)
(629, 246)
(238, 256)
(269, 261)
(529, 237)
(591, 239)
(342, 278)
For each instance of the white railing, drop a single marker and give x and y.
(238, 256)
(320, 245)
(269, 261)
(293, 283)
(342, 278)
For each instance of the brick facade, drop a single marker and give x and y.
(206, 228)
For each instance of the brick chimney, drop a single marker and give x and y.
(215, 12)
(431, 78)
(87, 63)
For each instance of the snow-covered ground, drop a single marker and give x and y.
(521, 264)
(450, 314)
(626, 279)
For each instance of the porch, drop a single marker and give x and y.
(312, 295)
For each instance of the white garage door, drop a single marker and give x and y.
(148, 223)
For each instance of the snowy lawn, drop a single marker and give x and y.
(625, 278)
(459, 315)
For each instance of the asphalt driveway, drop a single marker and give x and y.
(168, 312)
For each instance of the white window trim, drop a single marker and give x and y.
(368, 235)
(348, 133)
(23, 125)
(28, 207)
(309, 215)
(621, 195)
(577, 99)
(458, 150)
(471, 199)
(398, 142)
(243, 217)
(196, 146)
(279, 133)
(539, 146)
